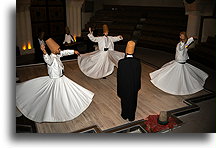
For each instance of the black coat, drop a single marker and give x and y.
(128, 77)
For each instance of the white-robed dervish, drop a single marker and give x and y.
(178, 77)
(100, 63)
(53, 98)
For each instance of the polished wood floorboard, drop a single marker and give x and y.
(104, 111)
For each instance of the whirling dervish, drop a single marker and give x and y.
(53, 98)
(179, 77)
(100, 63)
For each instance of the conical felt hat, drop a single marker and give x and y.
(130, 47)
(105, 28)
(53, 46)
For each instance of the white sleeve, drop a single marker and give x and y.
(92, 38)
(48, 59)
(189, 41)
(66, 53)
(116, 38)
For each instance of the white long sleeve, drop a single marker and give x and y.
(48, 59)
(66, 53)
(92, 38)
(116, 38)
(189, 41)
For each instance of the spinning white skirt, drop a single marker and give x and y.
(52, 100)
(179, 79)
(99, 64)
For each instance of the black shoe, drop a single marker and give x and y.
(125, 118)
(104, 77)
(131, 119)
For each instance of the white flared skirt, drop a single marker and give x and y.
(99, 64)
(52, 100)
(179, 79)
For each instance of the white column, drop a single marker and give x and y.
(23, 26)
(73, 14)
(193, 24)
(74, 26)
(193, 11)
(79, 21)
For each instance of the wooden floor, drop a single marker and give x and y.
(104, 111)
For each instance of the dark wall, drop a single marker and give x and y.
(48, 16)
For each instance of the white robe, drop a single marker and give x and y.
(177, 78)
(68, 39)
(100, 63)
(53, 98)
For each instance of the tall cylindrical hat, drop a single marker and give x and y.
(53, 46)
(105, 28)
(130, 47)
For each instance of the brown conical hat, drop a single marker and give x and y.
(53, 46)
(130, 47)
(105, 28)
